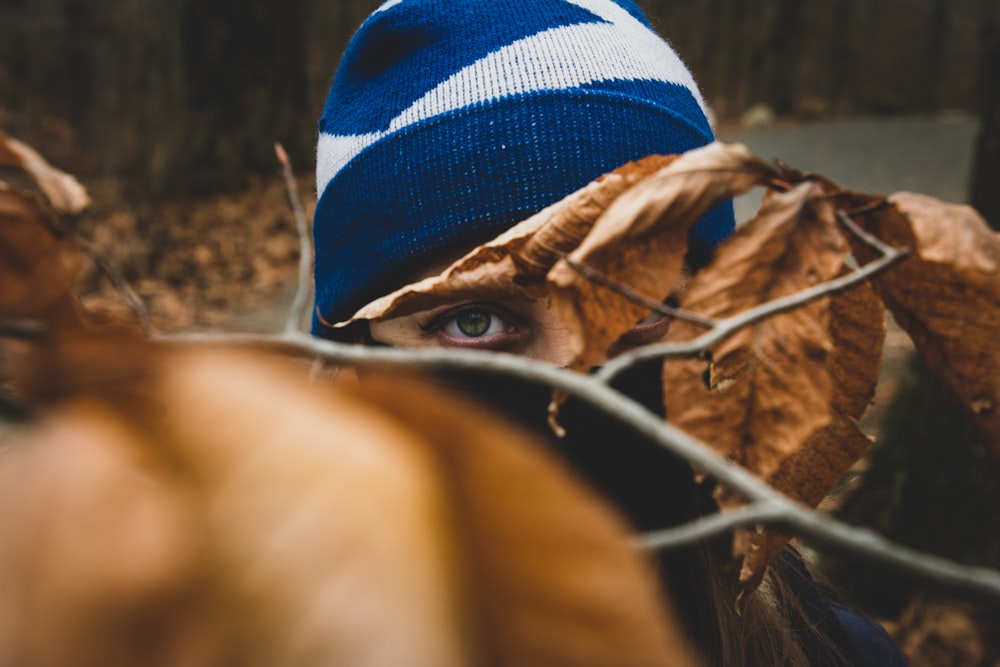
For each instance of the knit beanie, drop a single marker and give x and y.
(449, 121)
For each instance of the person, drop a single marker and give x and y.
(449, 121)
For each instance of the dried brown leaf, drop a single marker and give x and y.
(518, 259)
(88, 541)
(291, 569)
(857, 329)
(39, 261)
(247, 517)
(758, 547)
(810, 473)
(946, 296)
(932, 632)
(769, 388)
(560, 590)
(65, 193)
(640, 242)
(807, 475)
(315, 503)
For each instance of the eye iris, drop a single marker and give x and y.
(473, 323)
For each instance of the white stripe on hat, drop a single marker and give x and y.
(334, 151)
(388, 4)
(567, 57)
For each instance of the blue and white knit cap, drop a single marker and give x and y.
(451, 120)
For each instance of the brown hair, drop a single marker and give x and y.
(770, 626)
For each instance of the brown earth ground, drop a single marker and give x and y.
(223, 262)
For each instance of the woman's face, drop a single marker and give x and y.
(526, 327)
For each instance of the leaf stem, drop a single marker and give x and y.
(729, 326)
(712, 526)
(884, 249)
(655, 306)
(22, 329)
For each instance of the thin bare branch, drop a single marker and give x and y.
(830, 534)
(847, 221)
(655, 306)
(300, 305)
(712, 526)
(867, 208)
(118, 282)
(22, 329)
(13, 409)
(864, 542)
(729, 326)
(799, 519)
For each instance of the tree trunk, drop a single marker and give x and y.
(985, 193)
(176, 97)
(190, 95)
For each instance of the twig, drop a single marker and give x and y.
(624, 290)
(830, 534)
(118, 282)
(867, 208)
(711, 526)
(846, 219)
(823, 530)
(729, 326)
(768, 506)
(300, 305)
(22, 329)
(865, 542)
(13, 409)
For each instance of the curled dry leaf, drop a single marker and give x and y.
(65, 193)
(248, 517)
(40, 266)
(640, 242)
(281, 565)
(857, 327)
(765, 400)
(946, 296)
(769, 386)
(857, 331)
(39, 261)
(87, 543)
(560, 590)
(517, 260)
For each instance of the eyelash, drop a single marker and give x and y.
(513, 334)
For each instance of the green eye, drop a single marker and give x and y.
(473, 322)
(474, 325)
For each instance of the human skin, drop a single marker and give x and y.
(512, 324)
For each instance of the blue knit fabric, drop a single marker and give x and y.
(450, 120)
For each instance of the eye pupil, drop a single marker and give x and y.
(473, 323)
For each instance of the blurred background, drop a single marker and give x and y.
(168, 111)
(186, 96)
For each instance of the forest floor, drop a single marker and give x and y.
(229, 262)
